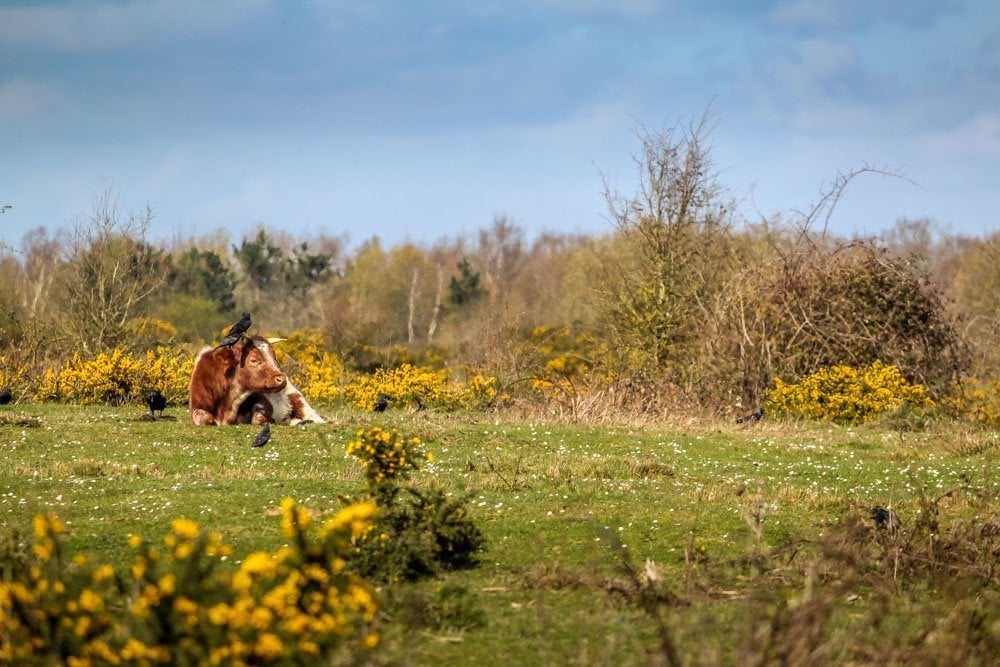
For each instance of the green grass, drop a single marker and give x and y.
(735, 519)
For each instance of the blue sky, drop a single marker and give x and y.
(421, 120)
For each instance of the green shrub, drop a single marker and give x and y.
(417, 532)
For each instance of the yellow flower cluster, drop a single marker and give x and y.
(845, 394)
(152, 329)
(118, 376)
(422, 387)
(316, 372)
(386, 456)
(12, 374)
(562, 361)
(178, 604)
(976, 400)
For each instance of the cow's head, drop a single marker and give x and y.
(252, 366)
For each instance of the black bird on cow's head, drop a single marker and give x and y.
(886, 518)
(241, 326)
(157, 402)
(382, 403)
(5, 396)
(263, 436)
(754, 416)
(236, 331)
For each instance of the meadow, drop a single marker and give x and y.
(658, 543)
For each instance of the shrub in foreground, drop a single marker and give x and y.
(179, 602)
(417, 532)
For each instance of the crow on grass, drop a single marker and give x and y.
(886, 518)
(754, 416)
(382, 403)
(157, 402)
(263, 436)
(5, 396)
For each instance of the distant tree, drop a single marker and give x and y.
(466, 287)
(501, 254)
(261, 261)
(671, 256)
(303, 270)
(203, 273)
(112, 271)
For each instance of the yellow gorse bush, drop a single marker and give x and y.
(975, 400)
(420, 386)
(317, 373)
(845, 394)
(118, 376)
(563, 361)
(12, 374)
(178, 603)
(387, 456)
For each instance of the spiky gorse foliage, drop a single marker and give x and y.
(975, 400)
(12, 374)
(561, 362)
(120, 377)
(845, 394)
(180, 603)
(387, 456)
(417, 532)
(318, 373)
(420, 387)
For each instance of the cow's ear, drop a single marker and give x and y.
(226, 356)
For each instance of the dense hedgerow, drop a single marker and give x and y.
(179, 602)
(845, 394)
(417, 532)
(120, 377)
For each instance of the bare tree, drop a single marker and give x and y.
(670, 254)
(112, 272)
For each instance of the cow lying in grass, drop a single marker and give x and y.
(242, 384)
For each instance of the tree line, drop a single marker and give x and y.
(680, 299)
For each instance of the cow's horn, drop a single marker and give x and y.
(272, 341)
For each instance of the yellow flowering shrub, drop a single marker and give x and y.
(180, 603)
(120, 377)
(975, 400)
(316, 372)
(562, 363)
(845, 394)
(386, 456)
(13, 375)
(152, 330)
(417, 532)
(420, 386)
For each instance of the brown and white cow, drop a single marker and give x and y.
(242, 384)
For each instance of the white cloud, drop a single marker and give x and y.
(977, 137)
(88, 27)
(19, 98)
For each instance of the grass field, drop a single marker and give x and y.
(748, 544)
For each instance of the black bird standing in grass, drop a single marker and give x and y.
(5, 396)
(886, 518)
(263, 436)
(236, 331)
(754, 416)
(382, 403)
(157, 402)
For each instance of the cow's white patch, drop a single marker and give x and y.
(283, 409)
